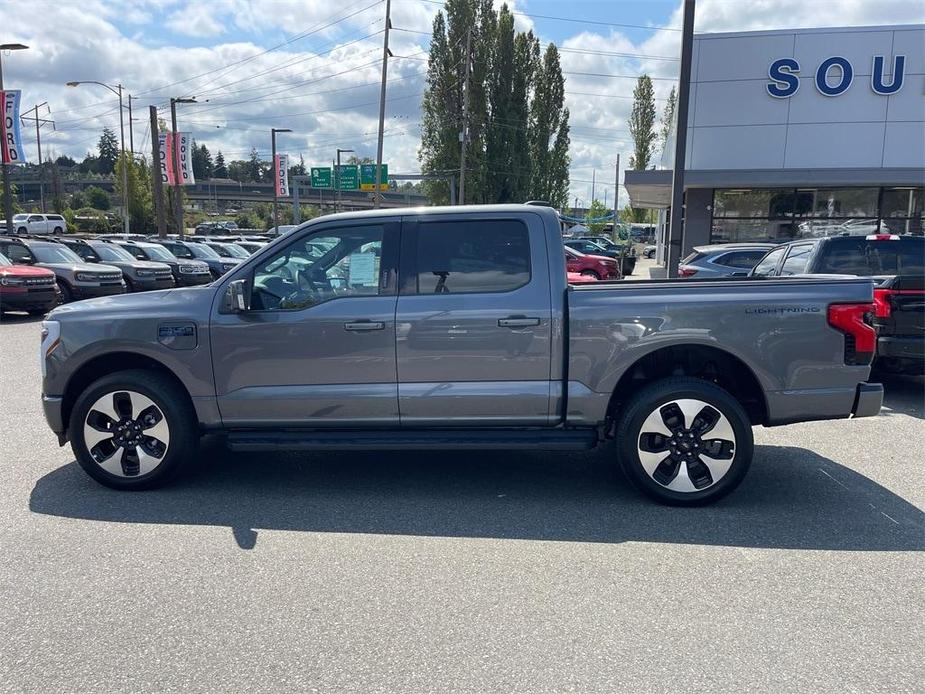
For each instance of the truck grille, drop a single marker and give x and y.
(40, 282)
(194, 269)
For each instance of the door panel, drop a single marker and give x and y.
(473, 324)
(318, 348)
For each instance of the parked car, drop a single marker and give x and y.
(723, 260)
(897, 265)
(595, 266)
(139, 275)
(186, 273)
(32, 224)
(193, 250)
(590, 248)
(485, 346)
(281, 230)
(251, 246)
(578, 278)
(121, 237)
(76, 279)
(649, 251)
(27, 288)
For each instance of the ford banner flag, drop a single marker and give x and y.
(281, 177)
(168, 143)
(10, 135)
(165, 154)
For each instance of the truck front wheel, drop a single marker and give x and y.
(684, 441)
(133, 430)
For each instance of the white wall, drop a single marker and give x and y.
(735, 124)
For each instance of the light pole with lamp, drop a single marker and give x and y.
(273, 132)
(7, 193)
(117, 90)
(337, 195)
(177, 200)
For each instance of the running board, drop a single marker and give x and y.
(421, 439)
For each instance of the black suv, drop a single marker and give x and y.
(186, 273)
(192, 250)
(897, 265)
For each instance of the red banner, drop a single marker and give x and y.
(281, 175)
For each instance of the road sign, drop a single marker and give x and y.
(321, 177)
(348, 178)
(368, 177)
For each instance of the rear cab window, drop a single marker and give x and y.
(797, 259)
(462, 257)
(768, 265)
(867, 257)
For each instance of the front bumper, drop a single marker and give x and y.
(867, 400)
(52, 406)
(901, 348)
(186, 280)
(91, 291)
(150, 283)
(27, 300)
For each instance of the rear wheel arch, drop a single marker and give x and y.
(105, 365)
(708, 363)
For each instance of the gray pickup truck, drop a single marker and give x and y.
(454, 328)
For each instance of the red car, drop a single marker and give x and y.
(575, 278)
(593, 266)
(26, 288)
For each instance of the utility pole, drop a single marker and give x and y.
(377, 196)
(593, 176)
(464, 134)
(616, 193)
(177, 190)
(39, 122)
(676, 223)
(159, 212)
(7, 187)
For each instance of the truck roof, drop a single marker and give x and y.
(443, 209)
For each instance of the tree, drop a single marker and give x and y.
(202, 162)
(595, 211)
(108, 148)
(97, 198)
(298, 169)
(89, 165)
(65, 161)
(78, 200)
(668, 117)
(140, 208)
(642, 129)
(549, 124)
(237, 171)
(254, 168)
(218, 169)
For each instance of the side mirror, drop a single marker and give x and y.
(139, 256)
(235, 300)
(27, 260)
(92, 259)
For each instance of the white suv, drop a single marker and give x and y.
(39, 224)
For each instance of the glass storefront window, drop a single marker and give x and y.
(753, 203)
(842, 202)
(743, 230)
(902, 202)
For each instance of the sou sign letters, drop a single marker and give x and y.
(833, 76)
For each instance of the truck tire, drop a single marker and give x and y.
(664, 436)
(133, 430)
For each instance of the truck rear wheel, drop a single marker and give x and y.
(133, 430)
(684, 441)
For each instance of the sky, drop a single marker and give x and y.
(314, 67)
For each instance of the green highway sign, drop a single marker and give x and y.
(368, 177)
(348, 177)
(321, 177)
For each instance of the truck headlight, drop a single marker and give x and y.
(51, 338)
(86, 277)
(144, 273)
(11, 281)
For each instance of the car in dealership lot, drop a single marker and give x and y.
(193, 250)
(454, 328)
(723, 260)
(27, 288)
(139, 275)
(895, 262)
(596, 267)
(649, 251)
(227, 249)
(186, 273)
(39, 224)
(590, 248)
(76, 279)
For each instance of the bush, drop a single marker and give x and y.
(97, 198)
(91, 221)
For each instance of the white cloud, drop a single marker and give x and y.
(196, 19)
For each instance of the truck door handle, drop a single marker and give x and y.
(364, 326)
(517, 322)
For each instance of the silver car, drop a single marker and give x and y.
(723, 260)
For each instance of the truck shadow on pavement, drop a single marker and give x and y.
(791, 498)
(902, 394)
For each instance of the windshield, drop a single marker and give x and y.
(200, 250)
(4, 260)
(155, 252)
(231, 250)
(55, 254)
(859, 256)
(20, 217)
(108, 252)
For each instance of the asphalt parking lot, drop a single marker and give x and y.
(433, 572)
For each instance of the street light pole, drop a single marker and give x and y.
(117, 90)
(7, 193)
(177, 190)
(377, 196)
(337, 195)
(273, 132)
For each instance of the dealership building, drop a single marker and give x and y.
(798, 133)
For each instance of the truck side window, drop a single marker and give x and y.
(796, 260)
(768, 264)
(472, 256)
(339, 262)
